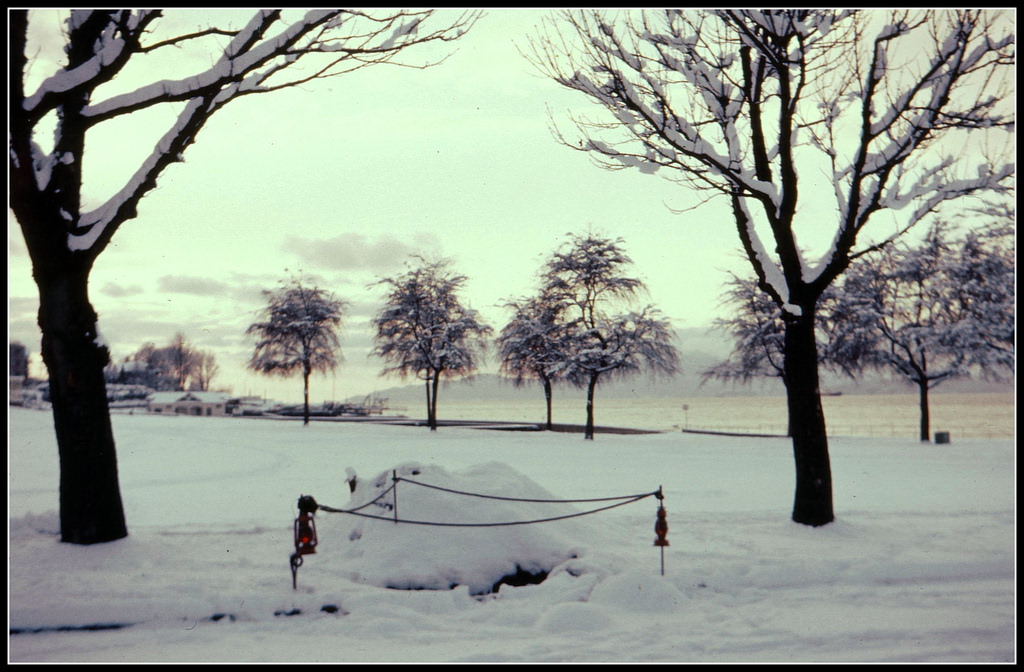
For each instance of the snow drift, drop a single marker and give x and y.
(454, 529)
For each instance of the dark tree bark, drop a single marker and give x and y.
(547, 400)
(430, 385)
(812, 503)
(433, 401)
(91, 510)
(588, 431)
(922, 388)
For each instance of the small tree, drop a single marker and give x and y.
(425, 331)
(984, 272)
(529, 347)
(585, 281)
(206, 369)
(147, 366)
(298, 333)
(182, 359)
(933, 312)
(170, 367)
(757, 331)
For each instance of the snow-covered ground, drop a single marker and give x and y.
(919, 566)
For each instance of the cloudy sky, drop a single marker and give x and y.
(343, 180)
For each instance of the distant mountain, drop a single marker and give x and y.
(700, 349)
(490, 387)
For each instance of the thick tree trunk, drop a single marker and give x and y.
(812, 503)
(91, 510)
(547, 401)
(430, 386)
(588, 431)
(922, 387)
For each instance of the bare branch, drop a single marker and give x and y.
(733, 102)
(178, 40)
(258, 59)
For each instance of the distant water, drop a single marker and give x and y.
(978, 415)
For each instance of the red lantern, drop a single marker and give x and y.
(661, 528)
(305, 528)
(305, 534)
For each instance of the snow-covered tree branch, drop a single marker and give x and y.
(267, 54)
(936, 311)
(594, 336)
(426, 331)
(529, 345)
(298, 333)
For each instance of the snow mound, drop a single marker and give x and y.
(637, 592)
(440, 555)
(574, 617)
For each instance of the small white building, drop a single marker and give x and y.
(189, 403)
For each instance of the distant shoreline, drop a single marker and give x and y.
(504, 425)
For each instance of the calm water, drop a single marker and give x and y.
(962, 415)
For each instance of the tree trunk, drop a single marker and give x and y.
(433, 402)
(813, 499)
(588, 431)
(922, 386)
(547, 401)
(91, 510)
(305, 396)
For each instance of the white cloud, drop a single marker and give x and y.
(356, 251)
(117, 291)
(184, 284)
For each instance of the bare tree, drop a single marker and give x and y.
(424, 330)
(529, 347)
(934, 311)
(755, 324)
(47, 133)
(183, 360)
(206, 370)
(596, 338)
(298, 333)
(149, 366)
(753, 105)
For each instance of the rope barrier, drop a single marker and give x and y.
(355, 512)
(520, 499)
(308, 507)
(376, 499)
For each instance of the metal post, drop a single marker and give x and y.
(295, 562)
(661, 527)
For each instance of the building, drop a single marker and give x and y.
(14, 397)
(189, 403)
